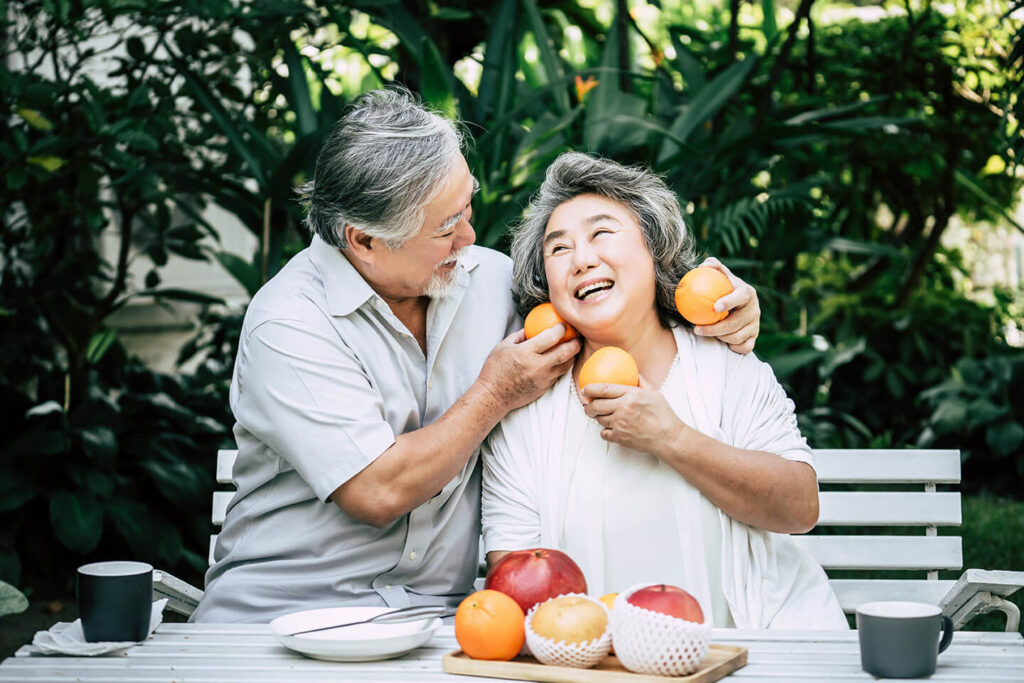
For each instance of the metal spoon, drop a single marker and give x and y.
(393, 617)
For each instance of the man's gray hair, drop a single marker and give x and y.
(644, 194)
(386, 158)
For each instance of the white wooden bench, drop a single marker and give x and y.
(907, 498)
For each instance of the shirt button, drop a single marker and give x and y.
(412, 555)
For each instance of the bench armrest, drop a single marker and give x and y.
(978, 591)
(182, 597)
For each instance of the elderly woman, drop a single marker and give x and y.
(692, 479)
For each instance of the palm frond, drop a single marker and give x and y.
(731, 226)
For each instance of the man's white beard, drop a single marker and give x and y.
(442, 284)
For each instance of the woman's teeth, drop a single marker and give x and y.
(592, 288)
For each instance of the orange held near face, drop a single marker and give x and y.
(669, 600)
(544, 316)
(697, 293)
(532, 576)
(490, 625)
(610, 365)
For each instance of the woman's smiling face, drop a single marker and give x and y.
(600, 273)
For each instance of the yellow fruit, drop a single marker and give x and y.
(570, 619)
(609, 599)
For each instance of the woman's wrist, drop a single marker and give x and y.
(679, 444)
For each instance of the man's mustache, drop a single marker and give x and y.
(453, 258)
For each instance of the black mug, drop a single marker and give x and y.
(115, 600)
(901, 639)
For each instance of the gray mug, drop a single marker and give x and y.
(115, 600)
(901, 639)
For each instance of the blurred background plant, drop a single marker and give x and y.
(827, 151)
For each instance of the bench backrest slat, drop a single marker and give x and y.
(888, 508)
(221, 499)
(887, 466)
(853, 592)
(225, 464)
(884, 552)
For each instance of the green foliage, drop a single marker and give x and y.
(975, 409)
(822, 160)
(12, 601)
(102, 457)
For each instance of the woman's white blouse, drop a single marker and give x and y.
(626, 517)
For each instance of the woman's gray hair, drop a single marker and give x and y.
(386, 158)
(644, 194)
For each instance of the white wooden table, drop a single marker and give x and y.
(216, 652)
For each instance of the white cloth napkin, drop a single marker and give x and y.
(67, 638)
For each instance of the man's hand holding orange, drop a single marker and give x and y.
(740, 328)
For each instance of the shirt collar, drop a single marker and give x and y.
(345, 287)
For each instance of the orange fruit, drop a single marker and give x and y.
(609, 601)
(569, 619)
(544, 316)
(489, 625)
(697, 293)
(610, 365)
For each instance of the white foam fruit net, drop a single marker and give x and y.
(652, 643)
(579, 655)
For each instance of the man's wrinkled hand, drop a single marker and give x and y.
(520, 370)
(740, 328)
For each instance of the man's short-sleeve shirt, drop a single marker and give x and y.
(326, 377)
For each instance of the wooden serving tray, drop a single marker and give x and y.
(721, 661)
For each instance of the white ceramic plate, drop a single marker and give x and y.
(362, 643)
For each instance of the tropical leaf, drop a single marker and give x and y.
(298, 88)
(436, 85)
(706, 103)
(15, 490)
(12, 600)
(45, 408)
(175, 294)
(245, 272)
(975, 189)
(99, 344)
(687, 63)
(77, 520)
(768, 25)
(221, 118)
(734, 224)
(549, 58)
(99, 442)
(498, 79)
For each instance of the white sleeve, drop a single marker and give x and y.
(758, 414)
(510, 515)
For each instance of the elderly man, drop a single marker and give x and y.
(369, 370)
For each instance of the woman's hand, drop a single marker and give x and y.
(635, 417)
(740, 328)
(754, 487)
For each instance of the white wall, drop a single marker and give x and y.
(156, 333)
